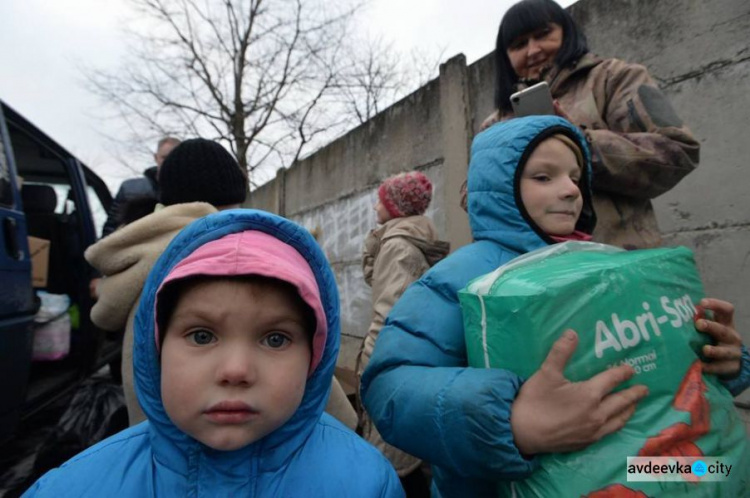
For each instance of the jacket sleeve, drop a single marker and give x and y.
(368, 259)
(425, 400)
(742, 381)
(44, 486)
(398, 265)
(646, 149)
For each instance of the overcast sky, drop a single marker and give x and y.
(43, 43)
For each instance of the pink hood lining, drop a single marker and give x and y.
(576, 235)
(255, 253)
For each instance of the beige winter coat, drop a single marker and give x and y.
(395, 255)
(125, 258)
(640, 147)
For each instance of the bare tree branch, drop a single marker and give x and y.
(271, 79)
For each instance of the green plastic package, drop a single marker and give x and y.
(633, 307)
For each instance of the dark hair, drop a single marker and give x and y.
(170, 294)
(522, 18)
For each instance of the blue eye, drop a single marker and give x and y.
(201, 337)
(276, 340)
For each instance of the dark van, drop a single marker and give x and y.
(48, 201)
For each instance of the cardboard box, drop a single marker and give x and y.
(39, 251)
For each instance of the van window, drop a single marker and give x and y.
(65, 203)
(97, 209)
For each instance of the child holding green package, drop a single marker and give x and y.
(528, 187)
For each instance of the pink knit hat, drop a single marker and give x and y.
(407, 194)
(256, 253)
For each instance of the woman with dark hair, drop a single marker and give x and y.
(641, 148)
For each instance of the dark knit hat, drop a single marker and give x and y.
(200, 170)
(407, 194)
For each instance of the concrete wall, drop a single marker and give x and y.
(333, 191)
(699, 51)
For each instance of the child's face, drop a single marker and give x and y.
(234, 361)
(549, 188)
(382, 213)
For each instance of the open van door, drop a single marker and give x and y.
(18, 303)
(49, 206)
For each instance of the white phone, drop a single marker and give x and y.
(533, 101)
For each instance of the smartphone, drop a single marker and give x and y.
(533, 101)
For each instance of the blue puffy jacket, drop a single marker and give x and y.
(312, 455)
(417, 387)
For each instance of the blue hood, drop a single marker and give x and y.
(498, 155)
(276, 448)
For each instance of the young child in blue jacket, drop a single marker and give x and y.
(236, 339)
(528, 186)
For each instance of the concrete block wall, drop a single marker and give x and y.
(698, 51)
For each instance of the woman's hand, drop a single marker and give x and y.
(495, 116)
(725, 357)
(552, 414)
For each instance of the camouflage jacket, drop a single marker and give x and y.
(640, 147)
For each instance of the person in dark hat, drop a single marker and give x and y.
(199, 170)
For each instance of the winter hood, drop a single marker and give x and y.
(418, 230)
(498, 155)
(239, 245)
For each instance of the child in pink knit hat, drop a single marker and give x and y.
(396, 254)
